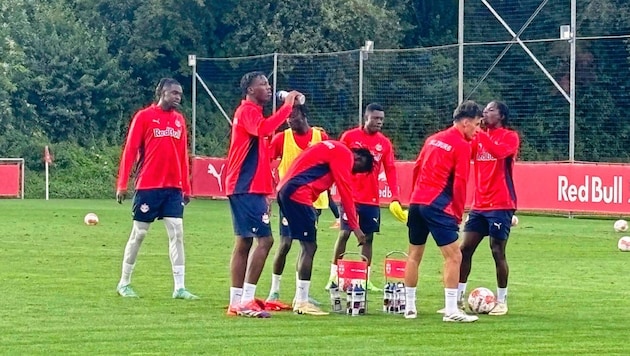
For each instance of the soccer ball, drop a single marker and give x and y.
(624, 244)
(620, 225)
(481, 300)
(90, 219)
(514, 220)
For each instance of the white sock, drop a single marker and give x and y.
(333, 271)
(127, 270)
(275, 283)
(410, 296)
(450, 301)
(502, 295)
(301, 292)
(461, 291)
(249, 291)
(369, 276)
(235, 295)
(178, 276)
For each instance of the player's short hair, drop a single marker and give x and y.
(164, 82)
(374, 107)
(503, 110)
(467, 109)
(248, 79)
(367, 155)
(301, 109)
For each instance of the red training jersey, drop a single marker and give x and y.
(248, 164)
(157, 141)
(441, 172)
(494, 154)
(366, 185)
(316, 169)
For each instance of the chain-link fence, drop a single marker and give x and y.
(419, 87)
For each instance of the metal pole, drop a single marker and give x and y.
(275, 80)
(572, 83)
(193, 63)
(460, 41)
(360, 85)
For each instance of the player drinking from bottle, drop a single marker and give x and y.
(248, 184)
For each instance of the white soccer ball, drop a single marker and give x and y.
(620, 225)
(514, 220)
(90, 219)
(624, 244)
(481, 300)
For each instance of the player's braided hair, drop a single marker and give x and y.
(367, 155)
(164, 82)
(248, 78)
(504, 111)
(467, 109)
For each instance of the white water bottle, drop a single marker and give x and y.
(282, 94)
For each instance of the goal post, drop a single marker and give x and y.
(12, 178)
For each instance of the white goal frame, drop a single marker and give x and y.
(20, 162)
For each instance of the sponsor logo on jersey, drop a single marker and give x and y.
(168, 132)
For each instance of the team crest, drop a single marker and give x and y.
(144, 208)
(178, 124)
(378, 147)
(285, 222)
(265, 218)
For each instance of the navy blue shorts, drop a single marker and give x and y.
(283, 223)
(250, 215)
(369, 218)
(493, 223)
(151, 204)
(425, 219)
(301, 218)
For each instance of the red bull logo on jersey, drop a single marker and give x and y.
(167, 132)
(593, 190)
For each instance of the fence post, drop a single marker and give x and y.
(572, 84)
(192, 62)
(275, 79)
(460, 44)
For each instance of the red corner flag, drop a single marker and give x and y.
(47, 156)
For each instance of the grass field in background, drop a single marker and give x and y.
(569, 290)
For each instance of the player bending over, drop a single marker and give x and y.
(311, 174)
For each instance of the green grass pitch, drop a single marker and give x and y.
(569, 290)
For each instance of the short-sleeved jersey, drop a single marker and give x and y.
(366, 185)
(494, 154)
(316, 169)
(157, 143)
(441, 172)
(248, 164)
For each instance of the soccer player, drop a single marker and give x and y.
(366, 187)
(494, 152)
(248, 184)
(157, 144)
(437, 205)
(287, 145)
(310, 175)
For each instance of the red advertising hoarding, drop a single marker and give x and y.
(10, 180)
(576, 187)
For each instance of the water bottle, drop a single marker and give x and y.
(357, 294)
(362, 300)
(386, 298)
(402, 297)
(282, 94)
(349, 299)
(335, 298)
